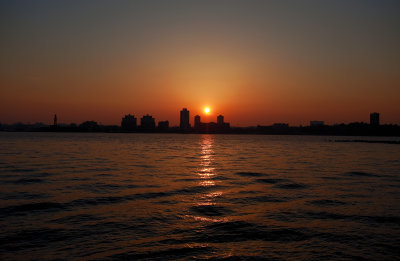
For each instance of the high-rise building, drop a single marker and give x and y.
(147, 122)
(374, 119)
(55, 120)
(197, 122)
(184, 120)
(220, 120)
(129, 122)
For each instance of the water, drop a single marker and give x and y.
(170, 196)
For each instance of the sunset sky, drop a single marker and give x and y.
(255, 62)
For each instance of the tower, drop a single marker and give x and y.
(220, 120)
(184, 119)
(197, 122)
(55, 120)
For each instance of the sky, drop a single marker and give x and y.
(255, 62)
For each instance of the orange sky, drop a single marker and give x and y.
(255, 63)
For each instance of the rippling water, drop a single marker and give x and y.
(161, 196)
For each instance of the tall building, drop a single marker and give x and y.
(55, 120)
(197, 122)
(129, 123)
(184, 121)
(147, 122)
(374, 119)
(220, 120)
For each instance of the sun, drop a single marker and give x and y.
(206, 110)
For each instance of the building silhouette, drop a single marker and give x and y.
(55, 120)
(374, 119)
(163, 125)
(129, 123)
(211, 127)
(280, 125)
(184, 119)
(197, 122)
(220, 120)
(147, 123)
(89, 126)
(221, 125)
(317, 123)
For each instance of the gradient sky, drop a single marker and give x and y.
(256, 62)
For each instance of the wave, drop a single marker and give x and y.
(360, 174)
(211, 210)
(165, 254)
(271, 181)
(251, 174)
(28, 181)
(291, 185)
(31, 207)
(326, 202)
(357, 218)
(76, 219)
(197, 189)
(13, 169)
(33, 238)
(257, 199)
(237, 231)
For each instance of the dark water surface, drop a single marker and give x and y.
(168, 197)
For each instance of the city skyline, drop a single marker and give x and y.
(186, 122)
(259, 62)
(148, 124)
(210, 116)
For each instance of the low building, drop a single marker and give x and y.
(163, 125)
(316, 123)
(147, 123)
(129, 123)
(374, 119)
(280, 125)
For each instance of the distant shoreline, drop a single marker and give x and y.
(232, 132)
(369, 141)
(315, 128)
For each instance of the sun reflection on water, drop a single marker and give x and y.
(206, 171)
(205, 204)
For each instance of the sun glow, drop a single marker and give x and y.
(206, 110)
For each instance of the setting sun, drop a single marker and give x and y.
(206, 110)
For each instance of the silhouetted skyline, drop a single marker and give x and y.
(147, 121)
(148, 124)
